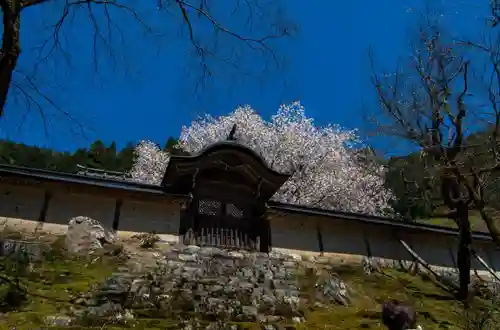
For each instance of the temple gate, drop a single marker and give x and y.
(229, 185)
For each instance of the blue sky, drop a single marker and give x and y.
(151, 95)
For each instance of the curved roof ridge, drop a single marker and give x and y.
(234, 144)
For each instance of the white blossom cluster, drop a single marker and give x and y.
(150, 163)
(321, 160)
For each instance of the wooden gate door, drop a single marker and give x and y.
(222, 224)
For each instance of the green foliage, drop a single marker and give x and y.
(98, 155)
(405, 177)
(416, 184)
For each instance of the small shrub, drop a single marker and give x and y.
(56, 249)
(12, 270)
(12, 296)
(147, 240)
(113, 249)
(482, 315)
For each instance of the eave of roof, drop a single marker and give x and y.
(275, 179)
(46, 175)
(233, 145)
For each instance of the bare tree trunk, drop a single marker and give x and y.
(455, 200)
(464, 250)
(11, 48)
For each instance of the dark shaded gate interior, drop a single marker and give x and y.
(229, 186)
(223, 223)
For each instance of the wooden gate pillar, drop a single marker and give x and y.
(265, 235)
(186, 221)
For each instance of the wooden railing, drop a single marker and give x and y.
(96, 172)
(228, 238)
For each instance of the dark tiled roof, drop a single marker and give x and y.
(105, 182)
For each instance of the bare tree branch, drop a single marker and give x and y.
(262, 26)
(430, 110)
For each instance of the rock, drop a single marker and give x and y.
(295, 256)
(124, 316)
(333, 289)
(81, 301)
(236, 255)
(187, 257)
(250, 312)
(106, 310)
(231, 285)
(135, 266)
(269, 327)
(86, 235)
(268, 318)
(137, 285)
(190, 249)
(58, 321)
(115, 288)
(21, 249)
(321, 260)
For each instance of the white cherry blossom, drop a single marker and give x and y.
(324, 170)
(150, 163)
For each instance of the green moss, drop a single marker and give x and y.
(56, 281)
(435, 308)
(51, 286)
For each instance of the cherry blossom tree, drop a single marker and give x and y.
(325, 170)
(150, 163)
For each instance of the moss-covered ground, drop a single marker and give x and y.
(436, 308)
(53, 284)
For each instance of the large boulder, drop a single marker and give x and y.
(86, 235)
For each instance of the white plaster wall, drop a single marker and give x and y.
(291, 232)
(19, 203)
(64, 206)
(342, 237)
(433, 248)
(23, 203)
(442, 250)
(489, 253)
(163, 218)
(385, 245)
